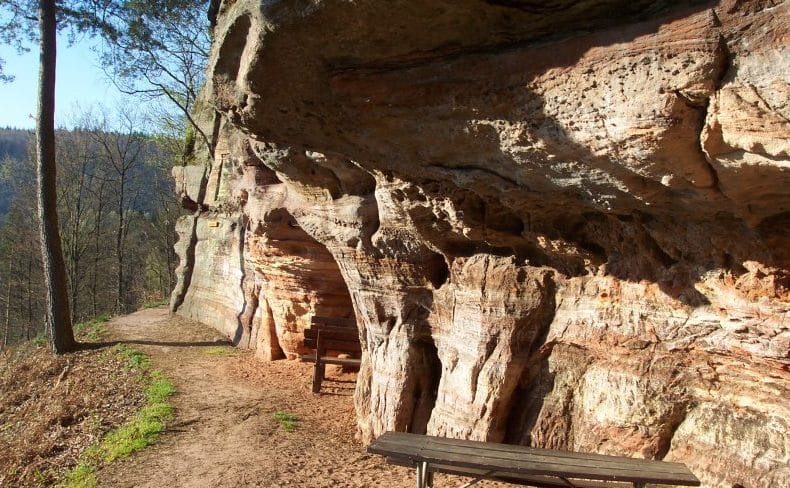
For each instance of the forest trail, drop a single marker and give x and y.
(224, 433)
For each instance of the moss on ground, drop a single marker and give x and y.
(136, 434)
(286, 420)
(92, 330)
(136, 359)
(221, 351)
(51, 406)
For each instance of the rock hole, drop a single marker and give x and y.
(775, 233)
(301, 279)
(439, 271)
(229, 59)
(268, 343)
(430, 373)
(501, 219)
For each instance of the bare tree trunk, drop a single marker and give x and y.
(29, 297)
(7, 322)
(56, 283)
(20, 311)
(164, 231)
(97, 252)
(119, 302)
(75, 253)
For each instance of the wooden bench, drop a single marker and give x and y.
(330, 334)
(522, 465)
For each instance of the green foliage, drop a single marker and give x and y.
(286, 420)
(159, 51)
(135, 435)
(138, 433)
(42, 478)
(160, 388)
(82, 476)
(136, 358)
(19, 22)
(143, 430)
(92, 330)
(189, 145)
(156, 303)
(40, 340)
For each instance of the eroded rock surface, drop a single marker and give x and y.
(562, 224)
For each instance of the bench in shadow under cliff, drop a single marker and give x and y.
(335, 340)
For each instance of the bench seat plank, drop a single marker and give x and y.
(536, 481)
(343, 332)
(310, 358)
(515, 452)
(311, 335)
(529, 461)
(616, 463)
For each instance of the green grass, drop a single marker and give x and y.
(136, 434)
(43, 479)
(160, 388)
(135, 358)
(286, 420)
(92, 330)
(221, 351)
(143, 430)
(82, 476)
(40, 340)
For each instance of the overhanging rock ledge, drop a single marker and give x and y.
(563, 224)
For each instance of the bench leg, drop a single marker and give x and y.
(318, 375)
(424, 478)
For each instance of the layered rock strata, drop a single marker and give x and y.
(562, 224)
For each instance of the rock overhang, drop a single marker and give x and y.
(526, 200)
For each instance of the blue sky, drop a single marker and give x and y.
(79, 80)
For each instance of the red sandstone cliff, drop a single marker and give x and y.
(564, 224)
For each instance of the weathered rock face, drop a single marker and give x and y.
(562, 224)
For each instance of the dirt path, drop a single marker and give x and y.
(224, 433)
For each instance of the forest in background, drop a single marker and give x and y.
(14, 145)
(114, 193)
(117, 210)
